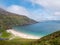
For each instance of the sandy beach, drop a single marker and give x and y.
(22, 35)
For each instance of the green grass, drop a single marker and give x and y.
(17, 41)
(4, 34)
(14, 41)
(52, 39)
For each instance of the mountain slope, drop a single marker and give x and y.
(52, 39)
(7, 19)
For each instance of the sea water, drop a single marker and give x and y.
(39, 29)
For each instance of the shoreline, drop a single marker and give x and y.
(22, 35)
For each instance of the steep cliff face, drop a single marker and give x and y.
(8, 19)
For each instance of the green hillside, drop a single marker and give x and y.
(52, 39)
(7, 20)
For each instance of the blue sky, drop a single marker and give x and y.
(35, 9)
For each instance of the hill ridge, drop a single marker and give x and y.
(51, 39)
(8, 19)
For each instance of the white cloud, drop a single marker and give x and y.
(57, 13)
(21, 10)
(55, 4)
(51, 6)
(18, 10)
(51, 10)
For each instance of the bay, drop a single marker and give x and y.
(39, 29)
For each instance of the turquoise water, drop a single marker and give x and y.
(39, 29)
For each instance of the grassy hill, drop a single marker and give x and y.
(52, 39)
(7, 19)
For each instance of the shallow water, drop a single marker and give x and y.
(39, 29)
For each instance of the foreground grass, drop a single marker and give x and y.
(52, 39)
(17, 41)
(4, 34)
(14, 41)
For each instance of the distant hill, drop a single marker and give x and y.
(52, 39)
(7, 19)
(51, 21)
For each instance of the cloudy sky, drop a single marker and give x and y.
(35, 9)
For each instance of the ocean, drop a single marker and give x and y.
(39, 29)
